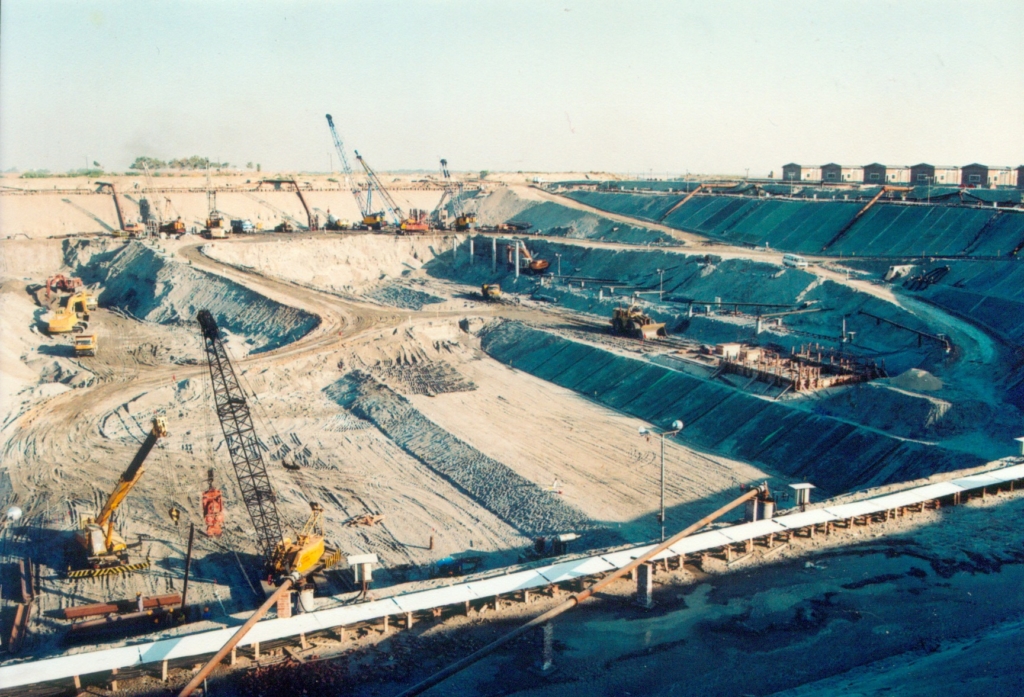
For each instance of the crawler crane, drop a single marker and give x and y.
(105, 551)
(371, 220)
(452, 192)
(288, 563)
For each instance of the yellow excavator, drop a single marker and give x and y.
(104, 549)
(74, 315)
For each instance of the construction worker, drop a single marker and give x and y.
(175, 515)
(140, 601)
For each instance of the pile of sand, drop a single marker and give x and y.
(916, 380)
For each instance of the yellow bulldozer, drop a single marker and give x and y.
(631, 321)
(490, 291)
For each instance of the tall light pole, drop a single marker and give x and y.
(677, 426)
(559, 257)
(661, 284)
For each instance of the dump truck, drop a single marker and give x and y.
(631, 321)
(490, 291)
(86, 345)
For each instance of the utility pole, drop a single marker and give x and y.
(677, 426)
(188, 567)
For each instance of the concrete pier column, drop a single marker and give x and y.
(471, 252)
(408, 620)
(517, 260)
(645, 586)
(494, 254)
(113, 682)
(546, 665)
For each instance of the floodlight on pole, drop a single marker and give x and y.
(677, 426)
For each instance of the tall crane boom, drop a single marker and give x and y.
(105, 550)
(244, 446)
(371, 219)
(375, 183)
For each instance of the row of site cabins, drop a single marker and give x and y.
(918, 175)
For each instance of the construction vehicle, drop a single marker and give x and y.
(312, 219)
(74, 316)
(105, 550)
(173, 227)
(453, 193)
(631, 321)
(490, 291)
(215, 228)
(518, 253)
(288, 563)
(371, 220)
(414, 223)
(242, 226)
(125, 229)
(281, 555)
(86, 345)
(63, 283)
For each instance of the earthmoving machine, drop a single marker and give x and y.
(281, 555)
(62, 283)
(86, 345)
(414, 223)
(452, 192)
(124, 229)
(215, 228)
(526, 261)
(289, 563)
(631, 321)
(371, 220)
(490, 291)
(74, 316)
(104, 549)
(312, 219)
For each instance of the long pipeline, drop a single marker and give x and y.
(575, 599)
(237, 637)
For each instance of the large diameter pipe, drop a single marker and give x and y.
(573, 601)
(237, 637)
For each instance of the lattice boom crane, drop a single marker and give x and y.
(243, 445)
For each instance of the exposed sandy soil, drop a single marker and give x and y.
(328, 312)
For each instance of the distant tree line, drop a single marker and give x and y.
(44, 173)
(194, 162)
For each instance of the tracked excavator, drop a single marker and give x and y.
(74, 316)
(104, 550)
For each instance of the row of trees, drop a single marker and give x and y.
(194, 162)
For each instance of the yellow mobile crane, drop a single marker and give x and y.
(104, 549)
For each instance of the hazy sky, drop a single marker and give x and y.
(622, 86)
